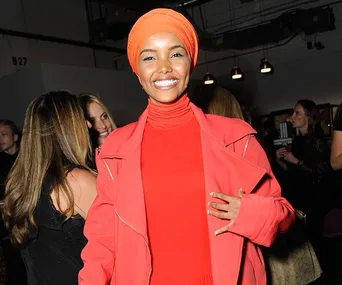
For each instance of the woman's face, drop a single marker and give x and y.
(299, 119)
(163, 68)
(99, 120)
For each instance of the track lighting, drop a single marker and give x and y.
(208, 79)
(236, 73)
(265, 66)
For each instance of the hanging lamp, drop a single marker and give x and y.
(208, 79)
(265, 66)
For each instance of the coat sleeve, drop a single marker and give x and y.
(98, 255)
(264, 213)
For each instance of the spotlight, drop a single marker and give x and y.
(208, 79)
(265, 66)
(236, 73)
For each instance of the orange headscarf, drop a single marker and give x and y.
(157, 21)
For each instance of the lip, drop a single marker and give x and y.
(165, 83)
(104, 134)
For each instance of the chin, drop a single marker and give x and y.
(165, 99)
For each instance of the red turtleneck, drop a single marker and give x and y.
(173, 180)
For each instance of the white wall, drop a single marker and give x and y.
(17, 90)
(57, 18)
(120, 90)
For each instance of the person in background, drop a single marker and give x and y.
(224, 104)
(217, 100)
(9, 137)
(9, 147)
(183, 198)
(333, 220)
(50, 189)
(307, 169)
(99, 120)
(336, 145)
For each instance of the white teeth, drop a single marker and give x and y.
(165, 83)
(104, 134)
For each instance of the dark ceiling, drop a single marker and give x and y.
(121, 14)
(145, 5)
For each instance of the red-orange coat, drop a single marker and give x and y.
(117, 249)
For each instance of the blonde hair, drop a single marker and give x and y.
(224, 104)
(87, 98)
(54, 140)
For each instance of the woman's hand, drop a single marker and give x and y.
(228, 210)
(281, 152)
(289, 157)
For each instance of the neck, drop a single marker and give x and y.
(12, 150)
(169, 116)
(303, 131)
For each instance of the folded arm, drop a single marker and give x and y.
(264, 213)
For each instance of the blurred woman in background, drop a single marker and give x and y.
(224, 104)
(50, 189)
(99, 120)
(307, 167)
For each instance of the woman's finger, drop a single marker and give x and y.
(219, 206)
(222, 215)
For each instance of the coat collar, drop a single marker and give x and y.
(224, 130)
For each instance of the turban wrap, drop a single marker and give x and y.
(158, 21)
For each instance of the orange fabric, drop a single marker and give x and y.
(175, 196)
(157, 21)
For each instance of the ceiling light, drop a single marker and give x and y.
(236, 73)
(265, 66)
(208, 79)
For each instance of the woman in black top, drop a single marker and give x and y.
(50, 190)
(307, 170)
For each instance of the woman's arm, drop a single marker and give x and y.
(317, 163)
(336, 150)
(263, 214)
(82, 184)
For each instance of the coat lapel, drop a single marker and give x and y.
(130, 205)
(226, 172)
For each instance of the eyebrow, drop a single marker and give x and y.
(153, 50)
(104, 113)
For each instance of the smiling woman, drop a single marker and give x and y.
(163, 67)
(174, 204)
(99, 120)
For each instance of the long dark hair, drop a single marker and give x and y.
(312, 112)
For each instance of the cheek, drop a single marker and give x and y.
(108, 124)
(183, 68)
(144, 74)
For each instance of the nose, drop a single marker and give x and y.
(292, 117)
(165, 66)
(100, 125)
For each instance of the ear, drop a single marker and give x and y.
(16, 137)
(139, 80)
(89, 124)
